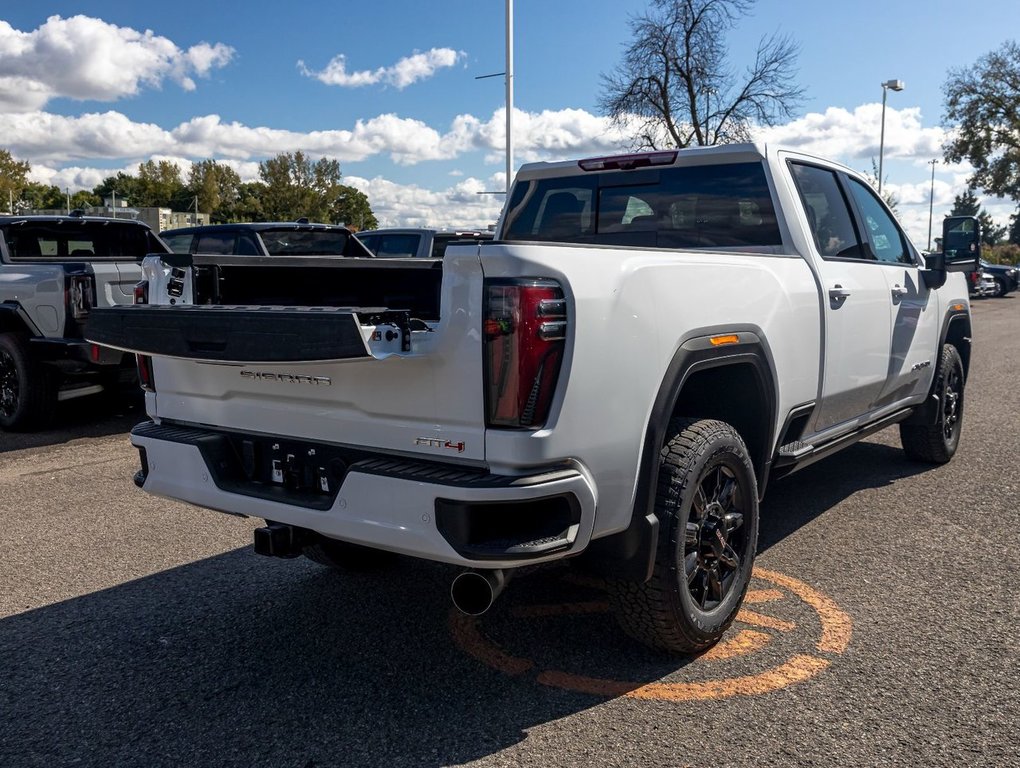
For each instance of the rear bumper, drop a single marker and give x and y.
(429, 510)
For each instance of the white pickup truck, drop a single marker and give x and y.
(615, 378)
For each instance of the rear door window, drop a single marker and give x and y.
(828, 213)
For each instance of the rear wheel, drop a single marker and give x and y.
(27, 389)
(345, 556)
(707, 505)
(937, 441)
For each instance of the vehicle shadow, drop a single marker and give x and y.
(243, 660)
(796, 500)
(94, 416)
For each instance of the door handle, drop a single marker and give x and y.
(898, 291)
(838, 292)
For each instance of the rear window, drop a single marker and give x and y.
(79, 241)
(708, 206)
(296, 242)
(396, 246)
(441, 242)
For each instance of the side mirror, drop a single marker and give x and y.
(961, 243)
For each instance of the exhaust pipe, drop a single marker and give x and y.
(474, 592)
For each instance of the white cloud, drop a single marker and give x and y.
(85, 58)
(852, 136)
(407, 71)
(409, 205)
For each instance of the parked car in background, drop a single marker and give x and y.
(285, 238)
(418, 243)
(54, 270)
(1004, 277)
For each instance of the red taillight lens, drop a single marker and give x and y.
(525, 330)
(142, 292)
(145, 377)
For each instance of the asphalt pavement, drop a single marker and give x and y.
(881, 630)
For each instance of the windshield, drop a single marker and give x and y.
(707, 206)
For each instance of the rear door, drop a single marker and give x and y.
(855, 301)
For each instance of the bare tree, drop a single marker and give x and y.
(675, 87)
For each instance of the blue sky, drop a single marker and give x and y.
(423, 136)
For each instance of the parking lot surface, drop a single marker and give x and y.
(881, 630)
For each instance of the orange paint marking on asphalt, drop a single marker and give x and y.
(797, 669)
(837, 627)
(761, 620)
(465, 633)
(564, 609)
(744, 642)
(836, 631)
(755, 596)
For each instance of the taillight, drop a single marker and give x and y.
(524, 331)
(145, 377)
(79, 296)
(141, 292)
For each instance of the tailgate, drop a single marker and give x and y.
(376, 377)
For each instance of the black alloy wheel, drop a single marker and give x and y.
(715, 542)
(933, 434)
(706, 502)
(9, 386)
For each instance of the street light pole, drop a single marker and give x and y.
(931, 199)
(896, 85)
(509, 92)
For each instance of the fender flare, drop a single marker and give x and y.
(14, 319)
(630, 554)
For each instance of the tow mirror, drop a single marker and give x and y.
(961, 243)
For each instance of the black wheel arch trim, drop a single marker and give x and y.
(14, 319)
(957, 322)
(630, 554)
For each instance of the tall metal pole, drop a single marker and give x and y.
(881, 141)
(931, 199)
(67, 191)
(509, 92)
(114, 206)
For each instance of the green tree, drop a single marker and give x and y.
(675, 86)
(983, 108)
(123, 185)
(160, 186)
(43, 197)
(295, 187)
(248, 205)
(216, 187)
(352, 208)
(967, 204)
(13, 178)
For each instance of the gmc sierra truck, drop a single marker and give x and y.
(648, 340)
(53, 271)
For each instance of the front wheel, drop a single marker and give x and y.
(707, 505)
(935, 442)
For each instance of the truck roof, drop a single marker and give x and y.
(52, 219)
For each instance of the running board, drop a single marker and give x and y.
(789, 458)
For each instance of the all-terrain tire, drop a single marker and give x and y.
(28, 395)
(344, 556)
(707, 504)
(936, 441)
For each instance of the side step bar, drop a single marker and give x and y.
(789, 458)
